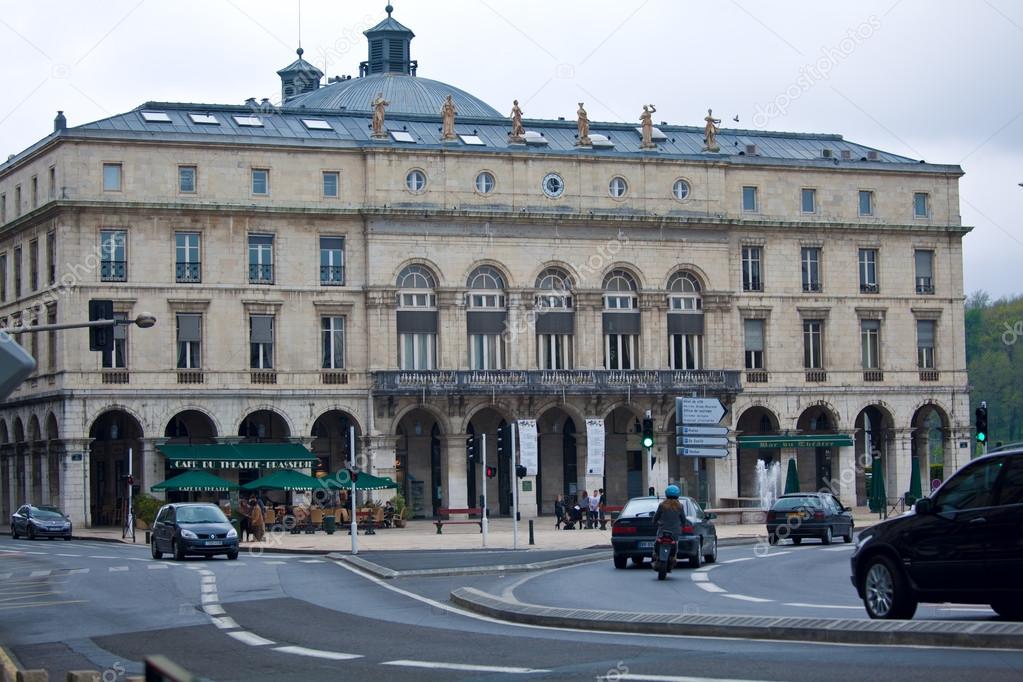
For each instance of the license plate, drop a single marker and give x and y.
(214, 543)
(646, 545)
(793, 517)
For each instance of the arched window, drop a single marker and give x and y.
(685, 322)
(555, 289)
(415, 287)
(619, 291)
(621, 321)
(684, 292)
(486, 318)
(417, 318)
(554, 320)
(486, 288)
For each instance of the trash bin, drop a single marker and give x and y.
(329, 524)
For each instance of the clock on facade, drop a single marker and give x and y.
(553, 186)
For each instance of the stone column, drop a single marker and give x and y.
(75, 484)
(149, 466)
(44, 474)
(452, 330)
(589, 330)
(653, 309)
(900, 462)
(843, 473)
(379, 454)
(453, 466)
(520, 333)
(29, 457)
(12, 484)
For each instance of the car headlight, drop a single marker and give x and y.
(185, 533)
(232, 533)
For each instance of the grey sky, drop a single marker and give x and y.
(931, 79)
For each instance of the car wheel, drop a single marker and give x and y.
(31, 532)
(157, 554)
(713, 556)
(14, 532)
(848, 537)
(696, 560)
(231, 556)
(620, 561)
(797, 541)
(828, 536)
(179, 552)
(772, 539)
(1009, 609)
(886, 594)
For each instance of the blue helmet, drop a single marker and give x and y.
(672, 491)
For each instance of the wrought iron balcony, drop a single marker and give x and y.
(574, 381)
(188, 271)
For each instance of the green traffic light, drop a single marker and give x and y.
(648, 442)
(981, 437)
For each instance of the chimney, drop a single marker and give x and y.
(60, 122)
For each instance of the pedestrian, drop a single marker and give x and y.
(257, 520)
(559, 511)
(584, 506)
(602, 508)
(594, 507)
(244, 523)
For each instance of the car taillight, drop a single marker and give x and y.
(818, 516)
(687, 529)
(623, 530)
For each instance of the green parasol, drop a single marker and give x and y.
(792, 478)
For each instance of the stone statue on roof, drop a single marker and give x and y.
(517, 131)
(710, 131)
(646, 123)
(584, 127)
(447, 112)
(379, 105)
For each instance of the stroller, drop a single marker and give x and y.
(573, 516)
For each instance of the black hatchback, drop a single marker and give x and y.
(632, 533)
(809, 515)
(192, 528)
(963, 544)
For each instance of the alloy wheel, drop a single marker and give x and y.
(879, 590)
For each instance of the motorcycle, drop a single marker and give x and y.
(665, 551)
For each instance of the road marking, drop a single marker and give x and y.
(214, 610)
(822, 606)
(39, 574)
(735, 561)
(40, 603)
(316, 653)
(844, 548)
(311, 561)
(252, 639)
(210, 598)
(71, 555)
(155, 567)
(700, 577)
(100, 556)
(465, 667)
(117, 569)
(710, 587)
(666, 678)
(209, 580)
(967, 610)
(274, 563)
(225, 623)
(771, 554)
(743, 597)
(209, 589)
(73, 571)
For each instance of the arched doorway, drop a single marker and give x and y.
(264, 426)
(113, 434)
(419, 472)
(874, 441)
(756, 421)
(930, 428)
(558, 459)
(624, 462)
(495, 425)
(332, 441)
(818, 464)
(188, 427)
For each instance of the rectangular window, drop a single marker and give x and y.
(187, 179)
(3, 208)
(35, 191)
(486, 351)
(921, 205)
(684, 351)
(623, 302)
(749, 200)
(187, 259)
(332, 261)
(119, 358)
(925, 343)
(870, 343)
(260, 181)
(331, 184)
(810, 257)
(868, 271)
(112, 177)
(753, 331)
(751, 275)
(261, 341)
(620, 351)
(51, 257)
(808, 200)
(554, 351)
(813, 344)
(17, 272)
(189, 341)
(3, 276)
(924, 268)
(333, 332)
(866, 202)
(417, 351)
(261, 259)
(17, 201)
(51, 340)
(51, 191)
(33, 265)
(113, 265)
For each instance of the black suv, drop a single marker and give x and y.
(962, 544)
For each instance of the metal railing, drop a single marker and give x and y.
(554, 381)
(188, 272)
(332, 275)
(113, 270)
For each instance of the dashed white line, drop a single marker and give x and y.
(700, 577)
(464, 666)
(735, 561)
(743, 597)
(821, 606)
(209, 589)
(843, 548)
(70, 555)
(75, 571)
(316, 653)
(225, 623)
(154, 567)
(710, 587)
(39, 574)
(311, 561)
(669, 678)
(210, 598)
(100, 556)
(214, 609)
(274, 563)
(117, 569)
(250, 638)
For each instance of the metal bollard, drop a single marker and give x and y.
(531, 541)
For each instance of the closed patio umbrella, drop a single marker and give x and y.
(792, 478)
(914, 482)
(878, 496)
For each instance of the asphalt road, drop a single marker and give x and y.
(74, 605)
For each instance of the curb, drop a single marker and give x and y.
(390, 574)
(242, 548)
(8, 665)
(960, 634)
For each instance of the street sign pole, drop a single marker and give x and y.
(515, 490)
(483, 475)
(353, 525)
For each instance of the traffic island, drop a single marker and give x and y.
(970, 635)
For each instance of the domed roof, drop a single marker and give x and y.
(407, 94)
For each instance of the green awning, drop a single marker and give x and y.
(287, 479)
(195, 482)
(340, 479)
(805, 441)
(239, 456)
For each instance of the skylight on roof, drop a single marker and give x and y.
(402, 136)
(655, 133)
(533, 137)
(156, 117)
(249, 121)
(204, 119)
(472, 139)
(316, 124)
(598, 140)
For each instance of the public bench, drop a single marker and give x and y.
(440, 523)
(610, 514)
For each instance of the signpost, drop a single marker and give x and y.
(697, 433)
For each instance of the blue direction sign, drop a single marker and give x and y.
(700, 430)
(703, 441)
(703, 452)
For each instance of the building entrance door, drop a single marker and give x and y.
(634, 482)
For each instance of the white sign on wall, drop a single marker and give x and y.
(527, 445)
(595, 447)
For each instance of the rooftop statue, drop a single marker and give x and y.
(647, 124)
(379, 105)
(710, 131)
(517, 131)
(447, 112)
(584, 127)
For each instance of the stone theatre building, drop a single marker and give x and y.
(313, 269)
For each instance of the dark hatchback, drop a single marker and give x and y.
(193, 528)
(632, 533)
(39, 522)
(809, 515)
(963, 544)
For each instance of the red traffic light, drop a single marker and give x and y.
(491, 472)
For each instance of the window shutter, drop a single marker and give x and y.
(754, 332)
(188, 328)
(262, 329)
(924, 261)
(925, 333)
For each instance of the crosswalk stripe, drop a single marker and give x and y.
(154, 567)
(116, 569)
(39, 574)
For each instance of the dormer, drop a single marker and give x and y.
(389, 48)
(299, 77)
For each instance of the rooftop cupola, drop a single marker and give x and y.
(388, 48)
(299, 77)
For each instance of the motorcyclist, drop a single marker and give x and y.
(670, 515)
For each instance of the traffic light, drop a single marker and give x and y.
(648, 432)
(981, 414)
(101, 338)
(470, 448)
(353, 474)
(491, 472)
(520, 471)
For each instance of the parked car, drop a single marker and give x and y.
(193, 528)
(40, 522)
(963, 544)
(633, 533)
(809, 515)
